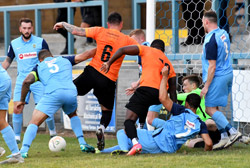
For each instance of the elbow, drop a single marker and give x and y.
(162, 98)
(27, 82)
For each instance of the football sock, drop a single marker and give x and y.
(51, 125)
(232, 131)
(111, 149)
(29, 136)
(223, 135)
(17, 123)
(102, 127)
(106, 117)
(77, 128)
(220, 120)
(123, 141)
(9, 138)
(130, 129)
(135, 141)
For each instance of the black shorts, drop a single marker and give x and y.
(104, 88)
(92, 15)
(142, 99)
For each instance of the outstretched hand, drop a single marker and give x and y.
(19, 107)
(58, 25)
(105, 67)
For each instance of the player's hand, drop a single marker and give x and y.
(58, 25)
(105, 67)
(129, 91)
(164, 71)
(203, 92)
(19, 107)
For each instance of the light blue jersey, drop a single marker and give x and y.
(26, 54)
(5, 89)
(216, 47)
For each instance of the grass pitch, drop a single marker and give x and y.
(41, 156)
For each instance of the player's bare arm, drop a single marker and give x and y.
(70, 28)
(85, 55)
(163, 94)
(208, 142)
(210, 76)
(128, 50)
(6, 63)
(26, 85)
(172, 89)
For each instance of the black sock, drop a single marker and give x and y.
(130, 129)
(106, 117)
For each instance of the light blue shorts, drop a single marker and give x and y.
(155, 108)
(5, 94)
(50, 103)
(36, 88)
(219, 90)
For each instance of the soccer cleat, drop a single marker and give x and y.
(16, 158)
(100, 138)
(87, 148)
(18, 139)
(220, 145)
(135, 149)
(2, 151)
(24, 155)
(232, 139)
(119, 152)
(245, 140)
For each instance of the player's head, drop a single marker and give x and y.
(193, 101)
(159, 44)
(138, 35)
(209, 20)
(25, 28)
(190, 83)
(44, 53)
(115, 19)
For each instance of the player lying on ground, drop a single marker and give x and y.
(60, 92)
(170, 135)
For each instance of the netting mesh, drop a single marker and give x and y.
(233, 17)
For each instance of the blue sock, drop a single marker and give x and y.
(17, 123)
(51, 123)
(29, 136)
(77, 128)
(9, 138)
(111, 149)
(123, 141)
(221, 121)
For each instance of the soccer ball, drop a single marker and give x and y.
(57, 144)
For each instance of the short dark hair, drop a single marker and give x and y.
(44, 53)
(159, 44)
(193, 100)
(114, 18)
(211, 16)
(137, 32)
(192, 79)
(25, 20)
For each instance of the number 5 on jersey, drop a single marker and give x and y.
(53, 67)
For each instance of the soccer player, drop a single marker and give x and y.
(154, 110)
(6, 130)
(60, 92)
(104, 84)
(218, 76)
(25, 49)
(170, 135)
(153, 60)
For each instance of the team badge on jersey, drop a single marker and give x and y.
(34, 45)
(223, 37)
(27, 55)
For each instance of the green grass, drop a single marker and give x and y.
(41, 156)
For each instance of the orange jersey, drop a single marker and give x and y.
(108, 42)
(153, 60)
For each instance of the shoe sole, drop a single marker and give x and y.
(232, 142)
(137, 151)
(101, 141)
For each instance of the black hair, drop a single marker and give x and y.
(159, 44)
(194, 101)
(25, 20)
(192, 79)
(44, 53)
(211, 16)
(114, 18)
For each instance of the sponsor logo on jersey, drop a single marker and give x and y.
(27, 55)
(190, 124)
(223, 37)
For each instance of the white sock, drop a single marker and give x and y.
(17, 137)
(223, 135)
(135, 141)
(102, 127)
(233, 131)
(52, 132)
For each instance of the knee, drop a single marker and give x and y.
(120, 132)
(72, 114)
(129, 122)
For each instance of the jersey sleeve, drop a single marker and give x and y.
(182, 96)
(45, 45)
(35, 73)
(177, 109)
(157, 123)
(92, 32)
(203, 128)
(71, 59)
(172, 72)
(11, 53)
(211, 49)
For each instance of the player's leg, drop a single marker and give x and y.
(37, 119)
(69, 107)
(153, 112)
(37, 89)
